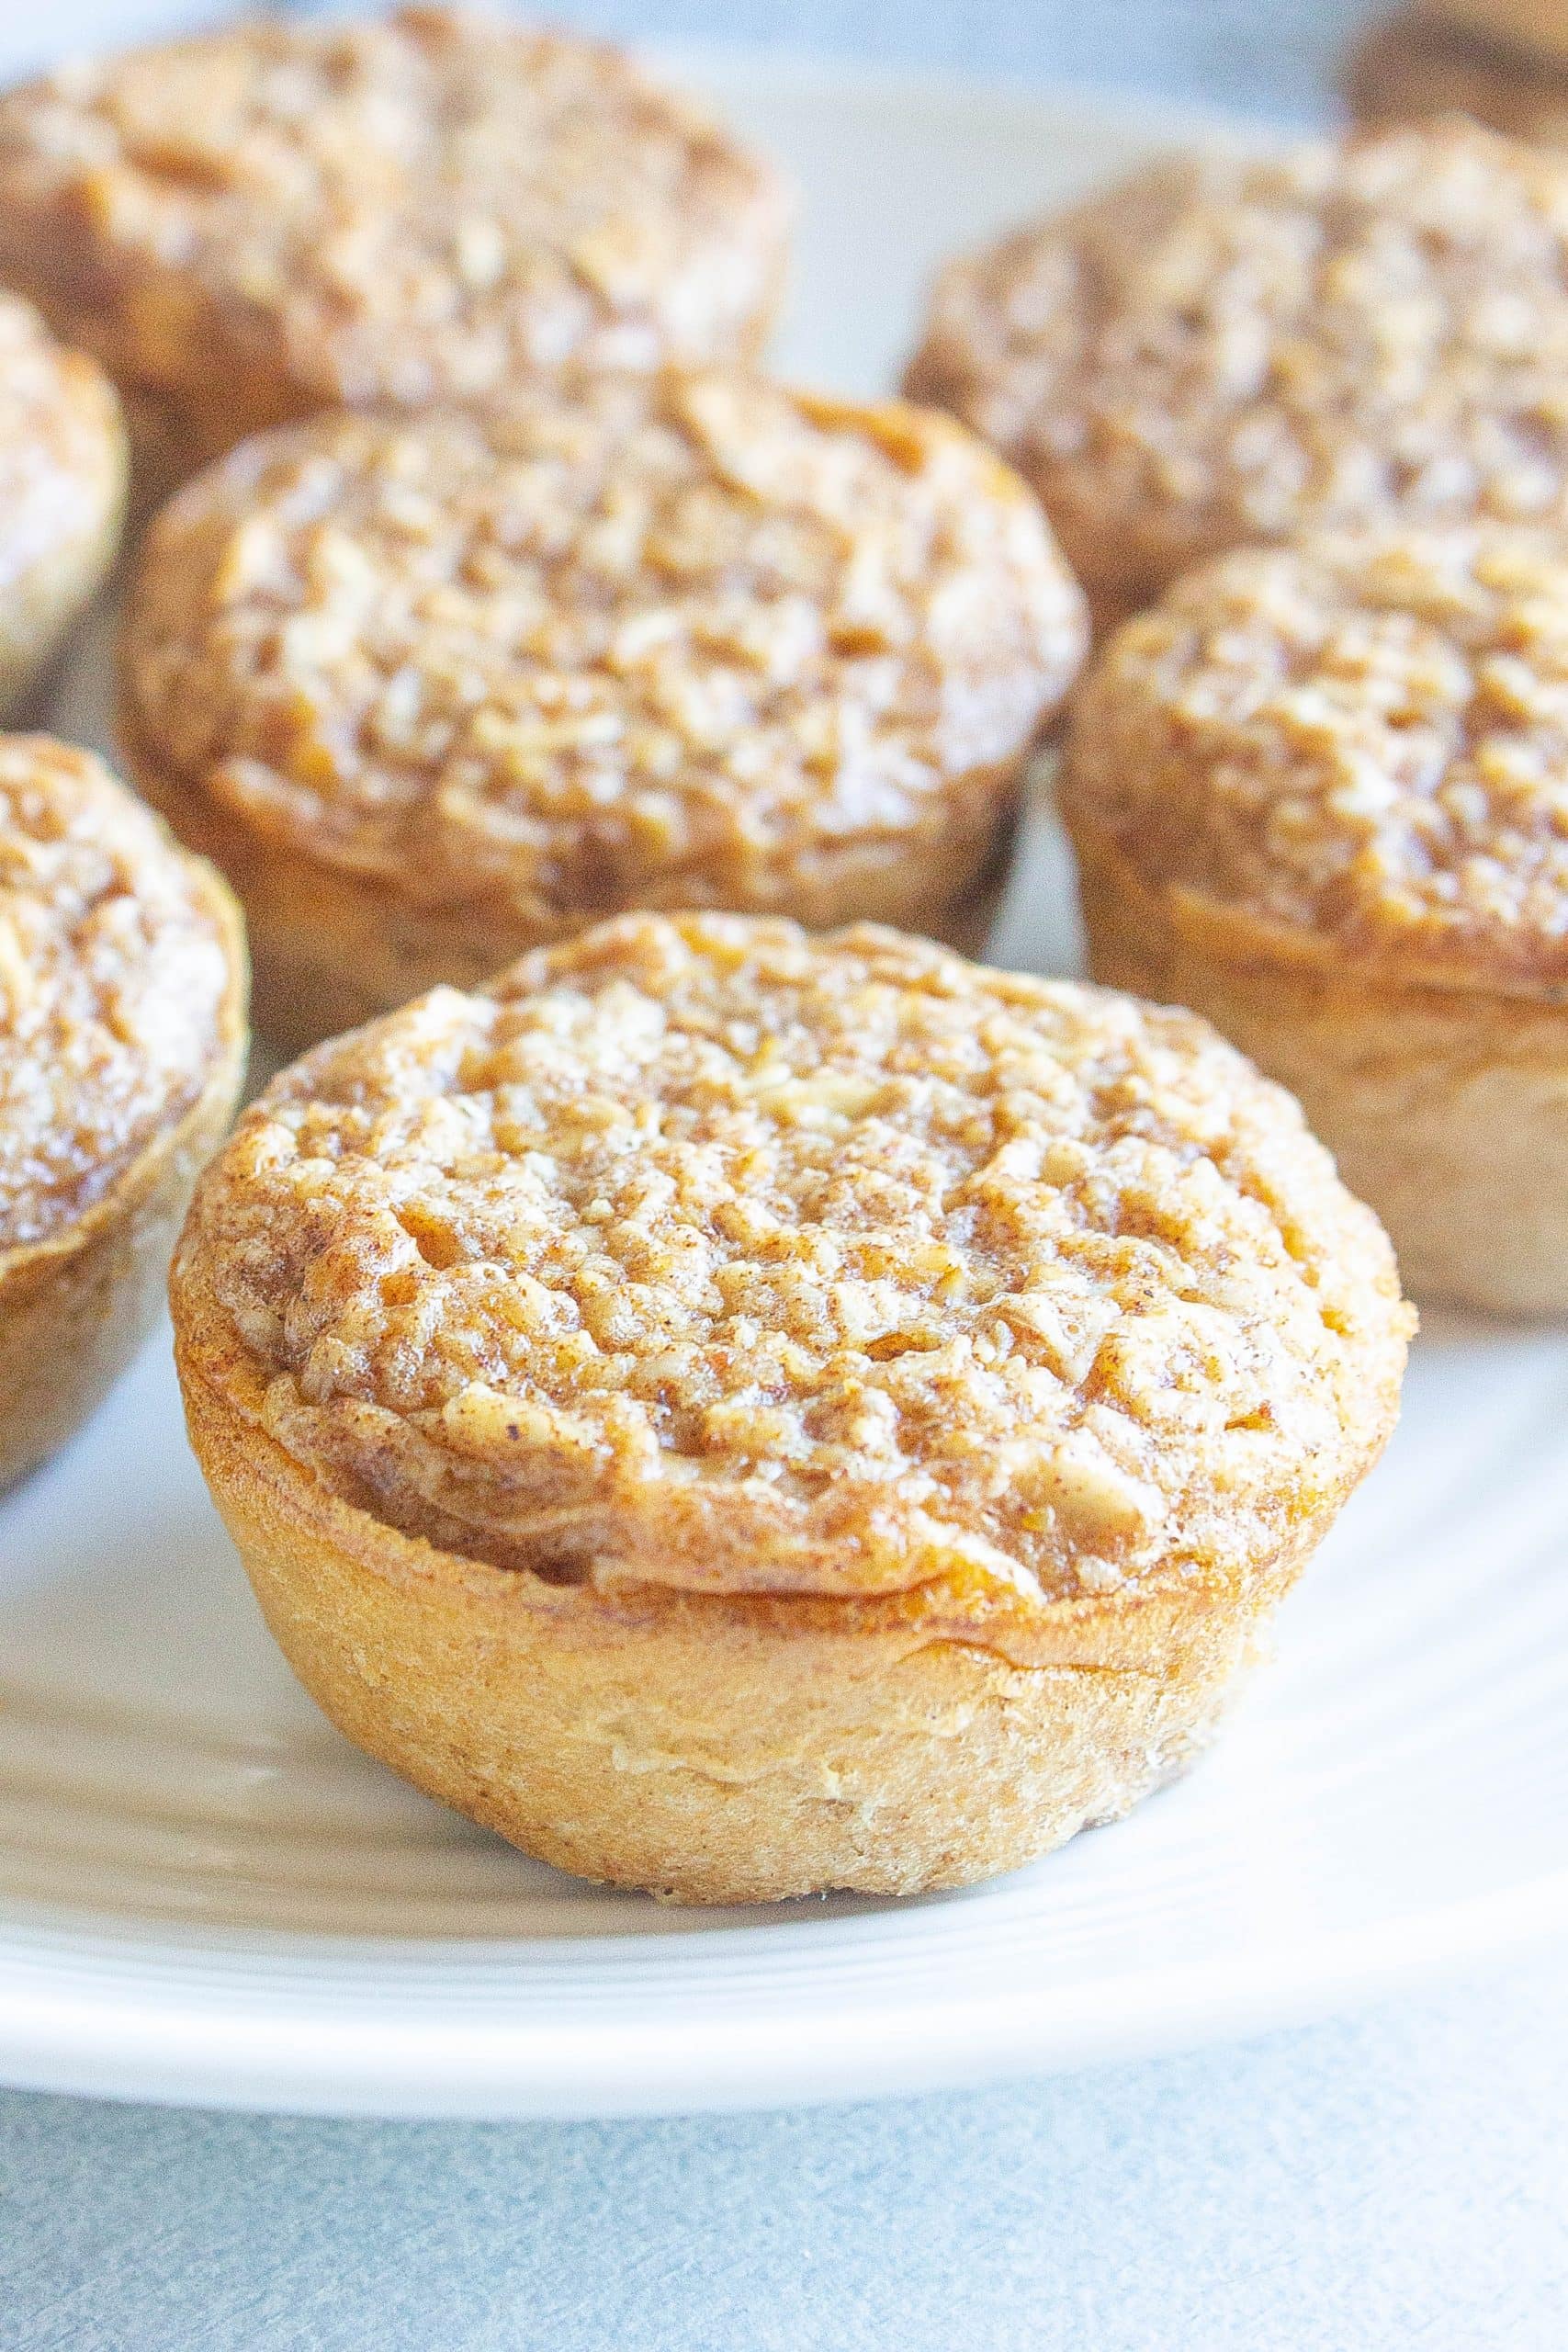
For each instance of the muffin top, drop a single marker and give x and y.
(62, 445)
(1223, 349)
(678, 638)
(1364, 737)
(394, 209)
(705, 1253)
(115, 983)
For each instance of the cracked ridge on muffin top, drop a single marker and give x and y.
(686, 638)
(275, 215)
(706, 1254)
(113, 978)
(1228, 348)
(1363, 737)
(60, 446)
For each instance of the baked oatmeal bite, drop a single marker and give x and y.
(277, 216)
(1225, 348)
(742, 1413)
(1321, 794)
(121, 1044)
(432, 690)
(61, 492)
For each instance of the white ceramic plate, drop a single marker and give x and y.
(205, 1894)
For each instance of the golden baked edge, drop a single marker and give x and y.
(731, 1749)
(75, 1307)
(330, 949)
(1445, 1106)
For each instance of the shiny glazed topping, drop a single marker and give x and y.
(685, 639)
(1363, 736)
(112, 981)
(1225, 349)
(278, 214)
(708, 1254)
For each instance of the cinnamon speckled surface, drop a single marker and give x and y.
(1392, 2182)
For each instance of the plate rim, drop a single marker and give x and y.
(80, 2012)
(371, 2065)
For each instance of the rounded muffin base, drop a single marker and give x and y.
(1445, 1107)
(75, 1307)
(735, 1749)
(331, 949)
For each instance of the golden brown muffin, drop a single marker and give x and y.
(266, 219)
(61, 492)
(1411, 65)
(1222, 350)
(1321, 794)
(742, 1413)
(434, 691)
(121, 1049)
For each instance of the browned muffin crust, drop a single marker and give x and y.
(1413, 64)
(61, 491)
(687, 638)
(122, 1039)
(1222, 350)
(742, 1413)
(114, 973)
(1319, 794)
(1362, 738)
(256, 222)
(703, 1254)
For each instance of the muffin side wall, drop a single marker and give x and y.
(711, 1752)
(75, 1311)
(1446, 1108)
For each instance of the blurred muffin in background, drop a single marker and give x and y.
(1223, 349)
(61, 492)
(1418, 63)
(262, 220)
(433, 690)
(1536, 29)
(1320, 794)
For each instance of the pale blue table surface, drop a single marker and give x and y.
(1397, 2182)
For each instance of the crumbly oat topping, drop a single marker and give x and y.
(1364, 736)
(1224, 349)
(680, 639)
(708, 1254)
(112, 980)
(59, 444)
(277, 215)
